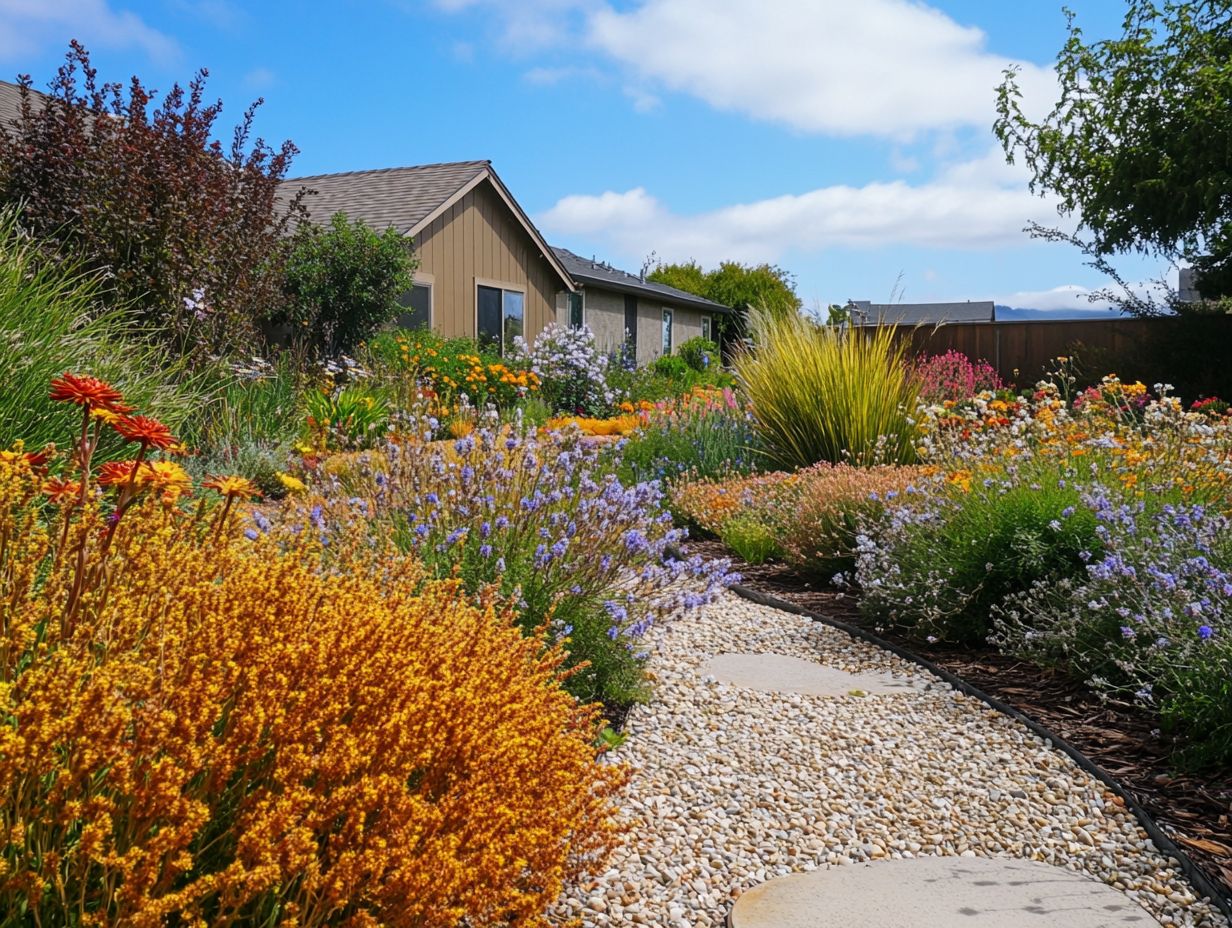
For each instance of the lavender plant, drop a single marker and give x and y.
(1148, 620)
(533, 516)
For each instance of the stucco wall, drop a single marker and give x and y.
(604, 313)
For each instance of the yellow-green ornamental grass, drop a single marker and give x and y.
(820, 393)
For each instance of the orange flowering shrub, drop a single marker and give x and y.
(212, 724)
(812, 515)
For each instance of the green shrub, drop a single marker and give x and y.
(50, 322)
(822, 394)
(342, 284)
(701, 354)
(947, 563)
(671, 366)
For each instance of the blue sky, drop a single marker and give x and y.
(848, 142)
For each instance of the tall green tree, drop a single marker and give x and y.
(740, 286)
(1139, 145)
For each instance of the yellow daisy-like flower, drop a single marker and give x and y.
(293, 484)
(166, 476)
(233, 486)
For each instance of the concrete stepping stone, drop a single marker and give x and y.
(938, 892)
(778, 673)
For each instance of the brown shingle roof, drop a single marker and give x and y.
(397, 197)
(589, 272)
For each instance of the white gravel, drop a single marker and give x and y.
(733, 787)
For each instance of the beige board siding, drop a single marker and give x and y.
(477, 239)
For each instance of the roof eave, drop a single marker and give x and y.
(693, 302)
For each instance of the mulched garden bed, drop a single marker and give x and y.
(1196, 811)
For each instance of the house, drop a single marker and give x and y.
(485, 271)
(862, 312)
(622, 308)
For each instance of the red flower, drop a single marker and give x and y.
(145, 431)
(87, 391)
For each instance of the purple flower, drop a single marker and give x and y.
(251, 534)
(1205, 632)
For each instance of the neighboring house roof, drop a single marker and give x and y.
(865, 313)
(586, 271)
(408, 199)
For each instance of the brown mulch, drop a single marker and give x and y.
(1123, 739)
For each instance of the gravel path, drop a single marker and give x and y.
(734, 787)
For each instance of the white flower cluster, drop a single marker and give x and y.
(571, 369)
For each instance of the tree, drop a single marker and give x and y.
(189, 234)
(342, 284)
(740, 286)
(1139, 146)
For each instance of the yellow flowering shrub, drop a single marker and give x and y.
(213, 724)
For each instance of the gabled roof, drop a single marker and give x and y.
(865, 313)
(586, 271)
(408, 199)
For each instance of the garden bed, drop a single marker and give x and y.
(1121, 738)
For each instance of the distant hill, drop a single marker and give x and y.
(1012, 313)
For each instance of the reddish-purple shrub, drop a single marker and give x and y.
(189, 234)
(953, 376)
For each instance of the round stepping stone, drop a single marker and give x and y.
(938, 892)
(778, 673)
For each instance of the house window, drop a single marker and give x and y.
(499, 317)
(418, 305)
(706, 330)
(667, 331)
(575, 310)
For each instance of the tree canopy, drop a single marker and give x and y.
(740, 286)
(1139, 145)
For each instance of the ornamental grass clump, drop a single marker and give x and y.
(820, 393)
(536, 517)
(215, 719)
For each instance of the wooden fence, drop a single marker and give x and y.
(1022, 351)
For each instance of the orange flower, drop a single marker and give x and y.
(233, 486)
(114, 473)
(146, 431)
(87, 391)
(61, 491)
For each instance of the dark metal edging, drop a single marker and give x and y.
(1164, 844)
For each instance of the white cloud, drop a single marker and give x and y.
(877, 67)
(260, 78)
(970, 206)
(26, 26)
(1067, 296)
(526, 26)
